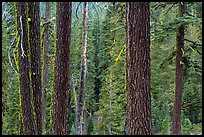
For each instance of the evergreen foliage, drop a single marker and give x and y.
(106, 72)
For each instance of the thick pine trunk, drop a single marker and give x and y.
(45, 62)
(35, 60)
(61, 78)
(28, 121)
(176, 124)
(81, 99)
(139, 117)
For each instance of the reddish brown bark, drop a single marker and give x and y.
(139, 117)
(176, 124)
(61, 78)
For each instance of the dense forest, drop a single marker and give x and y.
(101, 68)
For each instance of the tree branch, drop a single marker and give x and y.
(170, 8)
(194, 42)
(77, 10)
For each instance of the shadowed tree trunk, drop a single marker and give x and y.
(61, 78)
(45, 62)
(35, 58)
(81, 99)
(97, 81)
(176, 124)
(139, 117)
(28, 121)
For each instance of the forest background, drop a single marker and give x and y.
(105, 98)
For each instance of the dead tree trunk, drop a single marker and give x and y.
(176, 124)
(28, 121)
(81, 99)
(35, 58)
(139, 117)
(61, 78)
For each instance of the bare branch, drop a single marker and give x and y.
(194, 42)
(12, 43)
(23, 53)
(95, 10)
(170, 8)
(189, 14)
(77, 10)
(9, 56)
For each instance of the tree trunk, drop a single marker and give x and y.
(23, 53)
(176, 124)
(61, 79)
(35, 58)
(139, 117)
(81, 99)
(97, 81)
(45, 63)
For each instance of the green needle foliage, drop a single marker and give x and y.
(105, 85)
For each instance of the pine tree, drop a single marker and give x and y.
(81, 99)
(139, 121)
(176, 124)
(27, 116)
(61, 78)
(35, 60)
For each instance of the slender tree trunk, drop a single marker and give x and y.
(110, 105)
(45, 63)
(97, 82)
(35, 58)
(176, 124)
(139, 117)
(61, 79)
(81, 99)
(23, 53)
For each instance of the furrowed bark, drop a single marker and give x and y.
(139, 117)
(35, 60)
(28, 121)
(61, 78)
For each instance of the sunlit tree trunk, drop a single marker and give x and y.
(45, 62)
(139, 117)
(28, 121)
(176, 124)
(35, 60)
(62, 61)
(81, 99)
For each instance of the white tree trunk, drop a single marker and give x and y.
(81, 99)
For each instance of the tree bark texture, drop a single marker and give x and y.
(35, 58)
(45, 62)
(61, 78)
(139, 117)
(176, 124)
(23, 52)
(81, 99)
